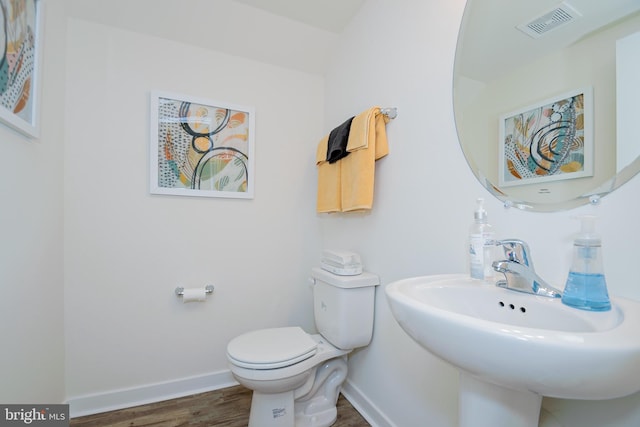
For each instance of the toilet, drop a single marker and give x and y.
(295, 376)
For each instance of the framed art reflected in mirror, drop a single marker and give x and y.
(551, 140)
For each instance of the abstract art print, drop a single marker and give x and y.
(19, 57)
(201, 147)
(549, 141)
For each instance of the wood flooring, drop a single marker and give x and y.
(227, 407)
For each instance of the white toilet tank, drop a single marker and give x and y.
(343, 307)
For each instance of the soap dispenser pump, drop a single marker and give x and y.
(586, 287)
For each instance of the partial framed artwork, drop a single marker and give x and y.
(550, 140)
(20, 57)
(201, 147)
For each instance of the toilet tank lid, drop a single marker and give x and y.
(358, 281)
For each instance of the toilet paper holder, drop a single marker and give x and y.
(207, 289)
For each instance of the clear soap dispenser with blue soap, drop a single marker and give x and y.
(586, 287)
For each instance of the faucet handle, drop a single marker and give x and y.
(516, 250)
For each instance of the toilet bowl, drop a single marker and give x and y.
(296, 377)
(295, 388)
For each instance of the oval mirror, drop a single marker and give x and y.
(546, 98)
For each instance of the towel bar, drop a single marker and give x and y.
(391, 112)
(180, 290)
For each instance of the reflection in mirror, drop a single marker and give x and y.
(510, 78)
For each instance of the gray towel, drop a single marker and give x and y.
(337, 145)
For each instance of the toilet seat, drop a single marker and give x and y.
(271, 348)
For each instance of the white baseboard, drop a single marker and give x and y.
(135, 396)
(362, 404)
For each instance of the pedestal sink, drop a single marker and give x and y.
(513, 348)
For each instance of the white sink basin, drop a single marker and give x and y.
(500, 338)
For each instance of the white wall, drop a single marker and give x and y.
(127, 250)
(401, 54)
(31, 275)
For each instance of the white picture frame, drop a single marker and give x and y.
(20, 65)
(201, 147)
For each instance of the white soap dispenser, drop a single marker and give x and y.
(586, 287)
(481, 247)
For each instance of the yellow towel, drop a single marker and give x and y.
(328, 199)
(347, 185)
(367, 143)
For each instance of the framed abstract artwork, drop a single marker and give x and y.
(201, 147)
(20, 54)
(550, 140)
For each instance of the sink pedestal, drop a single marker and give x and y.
(484, 404)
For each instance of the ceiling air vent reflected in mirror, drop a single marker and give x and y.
(551, 20)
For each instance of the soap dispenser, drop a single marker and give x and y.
(481, 247)
(586, 287)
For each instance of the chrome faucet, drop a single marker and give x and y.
(518, 270)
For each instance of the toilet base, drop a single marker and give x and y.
(272, 410)
(278, 410)
(314, 406)
(320, 419)
(318, 408)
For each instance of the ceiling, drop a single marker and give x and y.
(328, 15)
